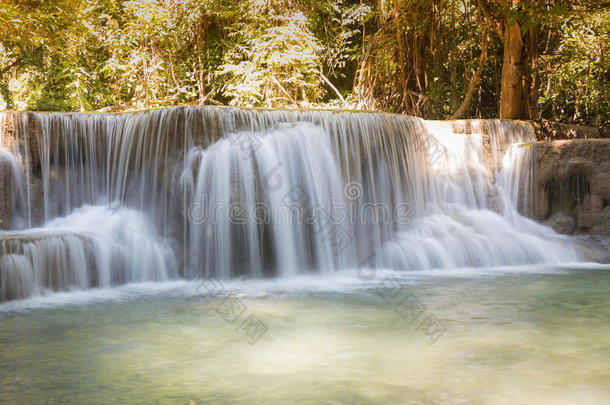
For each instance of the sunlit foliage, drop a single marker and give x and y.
(421, 57)
(576, 74)
(274, 58)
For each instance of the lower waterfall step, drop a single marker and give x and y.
(33, 262)
(93, 247)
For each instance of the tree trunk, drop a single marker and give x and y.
(511, 93)
(532, 77)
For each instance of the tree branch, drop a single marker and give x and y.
(10, 66)
(473, 82)
(279, 85)
(494, 21)
(332, 87)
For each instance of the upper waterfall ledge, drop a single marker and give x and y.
(557, 164)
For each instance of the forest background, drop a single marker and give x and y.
(438, 59)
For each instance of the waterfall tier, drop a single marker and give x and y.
(105, 199)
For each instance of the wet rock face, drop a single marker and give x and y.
(6, 177)
(562, 223)
(6, 193)
(572, 186)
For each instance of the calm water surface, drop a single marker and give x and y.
(493, 337)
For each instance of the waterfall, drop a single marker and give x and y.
(242, 189)
(91, 247)
(11, 190)
(471, 219)
(106, 199)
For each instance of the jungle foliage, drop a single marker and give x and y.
(431, 58)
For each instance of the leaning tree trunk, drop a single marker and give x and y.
(511, 93)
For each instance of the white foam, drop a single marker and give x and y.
(348, 281)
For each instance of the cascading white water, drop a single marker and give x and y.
(226, 192)
(246, 194)
(92, 247)
(11, 187)
(471, 219)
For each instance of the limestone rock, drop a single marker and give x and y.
(549, 130)
(562, 223)
(572, 177)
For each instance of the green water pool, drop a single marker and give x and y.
(522, 337)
